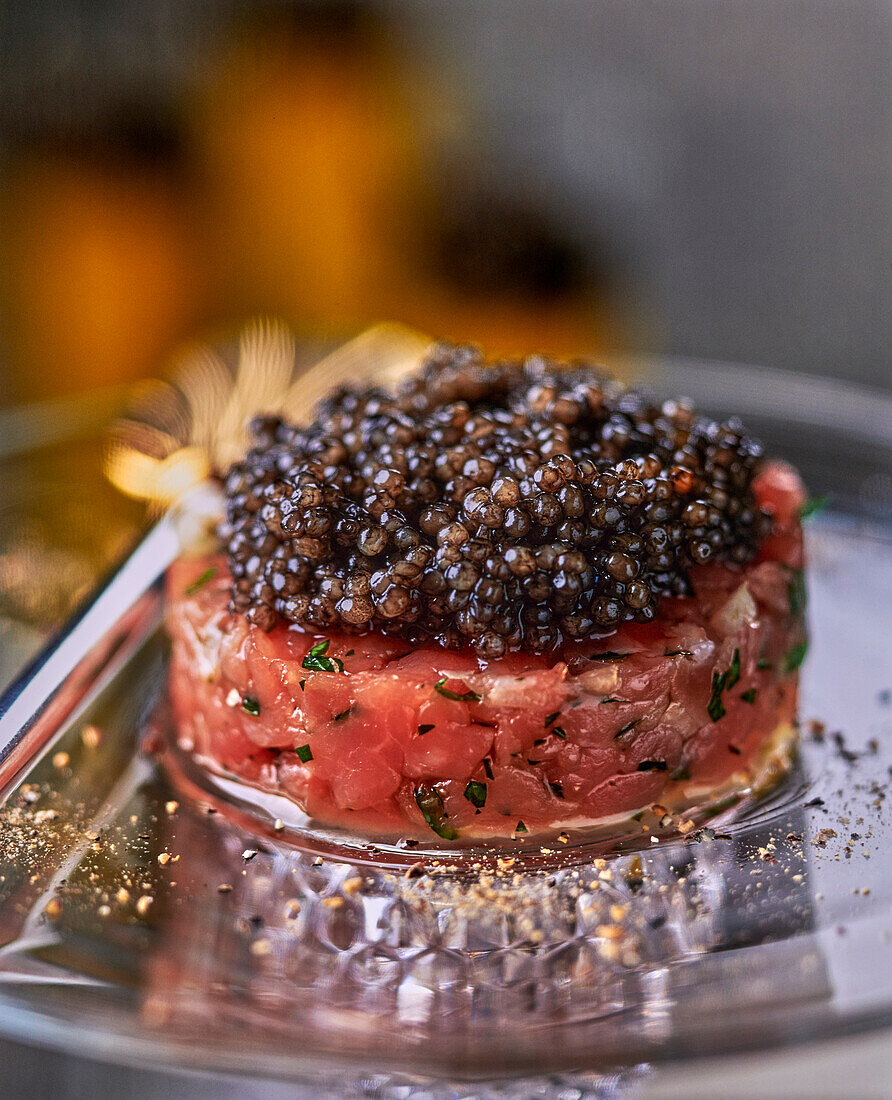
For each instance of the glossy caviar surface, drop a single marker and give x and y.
(509, 506)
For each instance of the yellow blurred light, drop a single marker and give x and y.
(96, 274)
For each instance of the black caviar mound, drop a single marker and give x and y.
(504, 505)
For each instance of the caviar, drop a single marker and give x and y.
(504, 505)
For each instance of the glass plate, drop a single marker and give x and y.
(146, 919)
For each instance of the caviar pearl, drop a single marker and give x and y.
(509, 505)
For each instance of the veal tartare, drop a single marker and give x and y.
(505, 598)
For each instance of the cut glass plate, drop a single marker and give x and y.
(147, 915)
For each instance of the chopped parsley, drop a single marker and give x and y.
(653, 766)
(304, 755)
(813, 506)
(628, 726)
(609, 655)
(549, 718)
(797, 593)
(715, 706)
(734, 670)
(318, 661)
(425, 728)
(521, 828)
(459, 697)
(349, 652)
(430, 802)
(200, 582)
(794, 658)
(763, 663)
(558, 732)
(749, 696)
(250, 705)
(475, 793)
(615, 699)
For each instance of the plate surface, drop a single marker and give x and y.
(138, 926)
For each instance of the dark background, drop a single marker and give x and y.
(695, 178)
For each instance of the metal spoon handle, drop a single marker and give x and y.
(63, 672)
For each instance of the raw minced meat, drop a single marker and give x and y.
(372, 732)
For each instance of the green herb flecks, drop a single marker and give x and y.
(653, 766)
(200, 582)
(734, 670)
(749, 696)
(318, 661)
(715, 707)
(304, 755)
(320, 648)
(430, 802)
(521, 828)
(459, 697)
(615, 699)
(475, 793)
(549, 718)
(764, 664)
(794, 657)
(797, 593)
(813, 506)
(559, 732)
(251, 706)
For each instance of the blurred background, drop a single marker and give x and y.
(696, 178)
